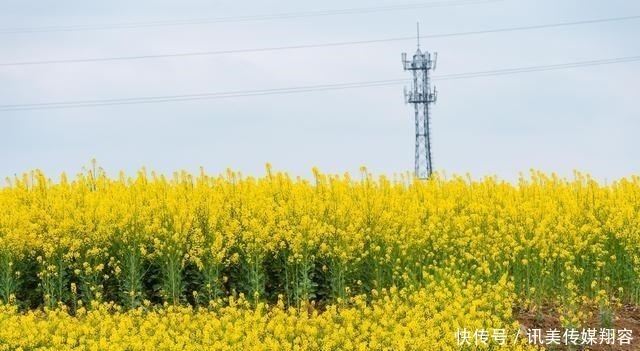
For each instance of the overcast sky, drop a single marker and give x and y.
(583, 118)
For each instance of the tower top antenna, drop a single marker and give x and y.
(418, 33)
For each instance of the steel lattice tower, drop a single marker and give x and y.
(421, 96)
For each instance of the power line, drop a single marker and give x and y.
(184, 97)
(308, 88)
(318, 45)
(252, 18)
(554, 67)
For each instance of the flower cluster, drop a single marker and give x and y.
(190, 241)
(425, 319)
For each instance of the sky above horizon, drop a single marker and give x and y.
(555, 121)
